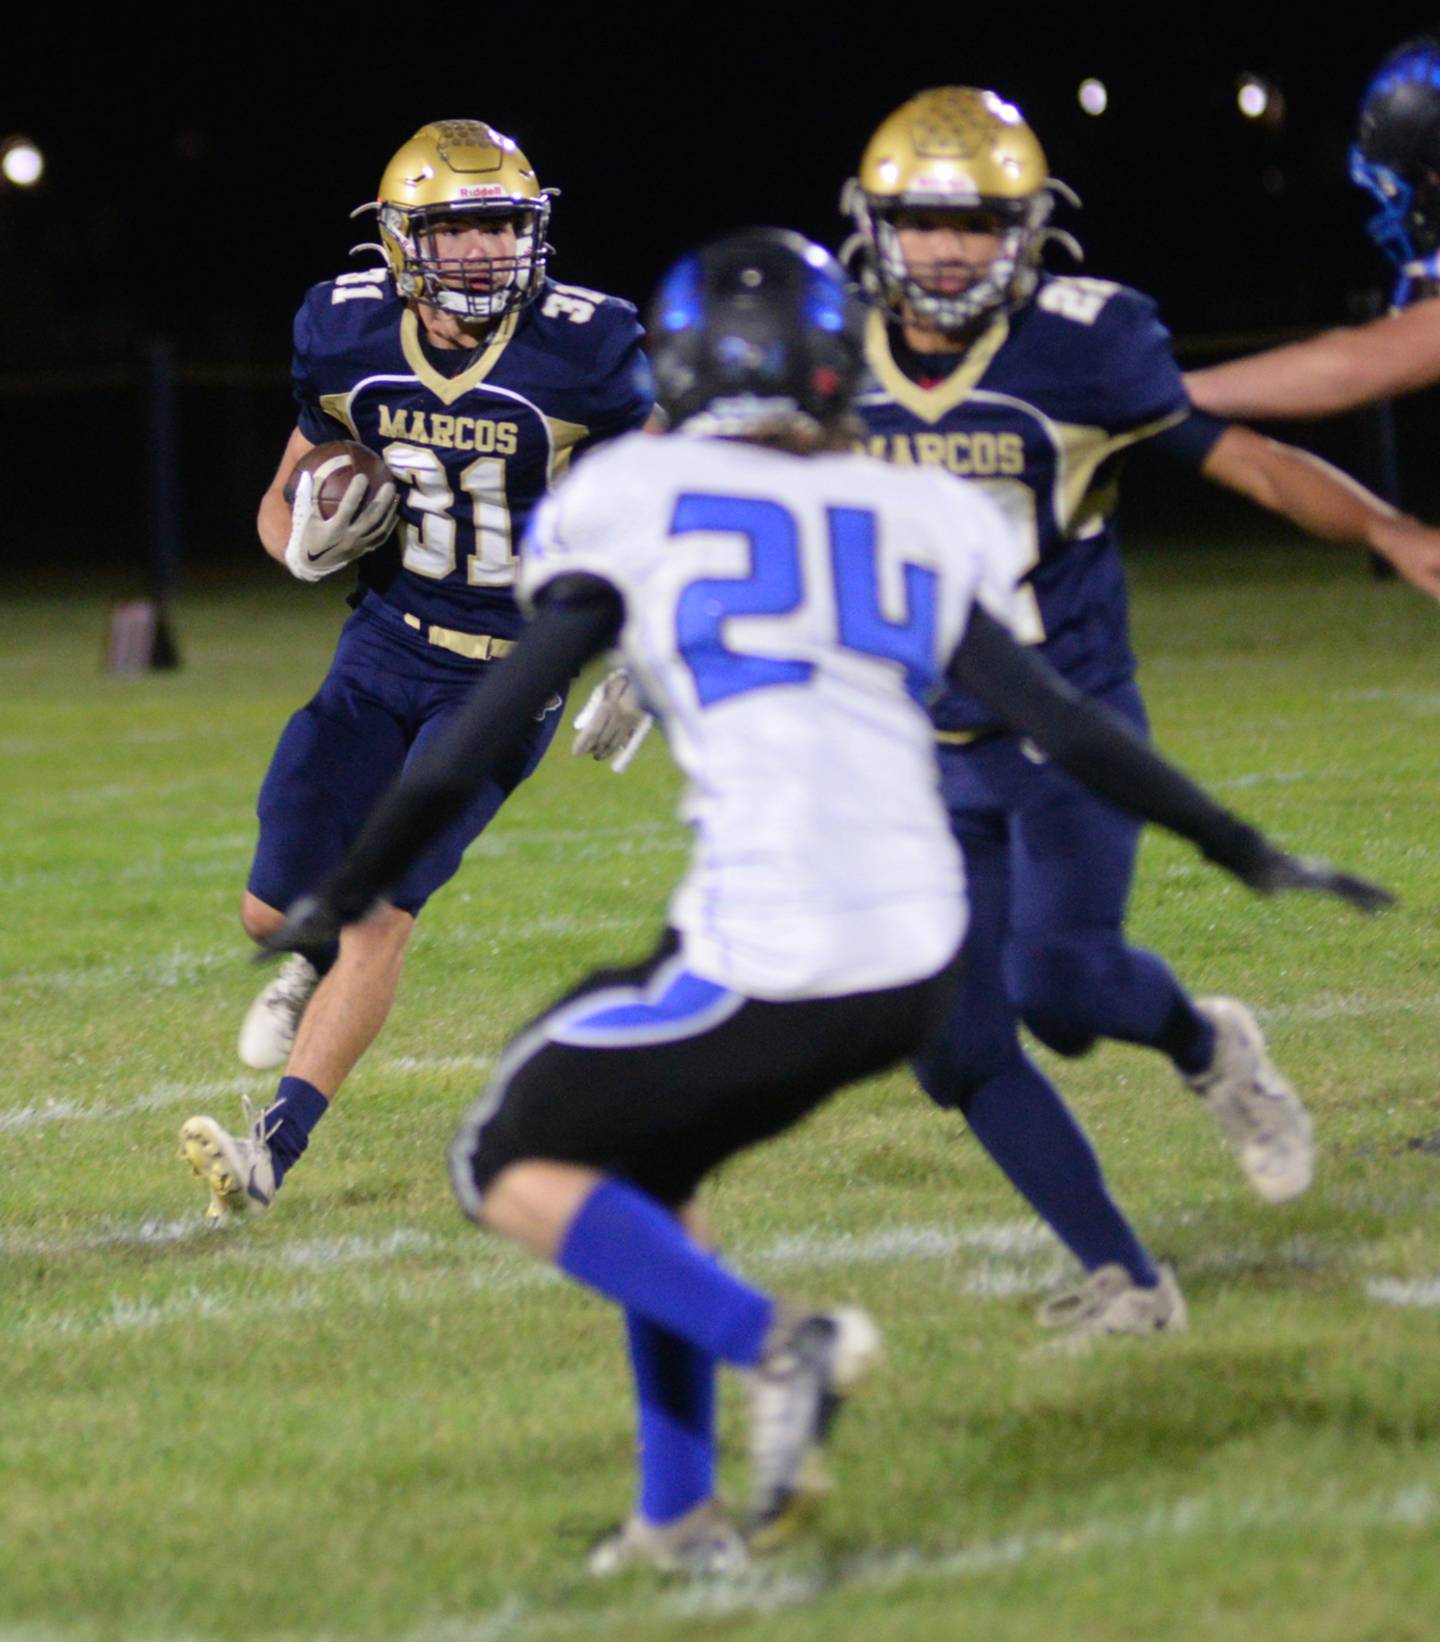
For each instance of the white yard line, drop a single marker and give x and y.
(775, 1587)
(1000, 1261)
(814, 1251)
(166, 1094)
(1424, 703)
(432, 1063)
(156, 1098)
(487, 1268)
(1267, 778)
(300, 1254)
(181, 967)
(1398, 1291)
(491, 933)
(1329, 1007)
(791, 1582)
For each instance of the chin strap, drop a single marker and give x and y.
(1390, 227)
(1417, 279)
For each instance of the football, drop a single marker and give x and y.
(335, 464)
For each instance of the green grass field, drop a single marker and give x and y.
(356, 1418)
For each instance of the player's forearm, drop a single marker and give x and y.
(1320, 377)
(1336, 371)
(1312, 494)
(273, 524)
(1095, 745)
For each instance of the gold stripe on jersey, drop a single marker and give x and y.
(447, 389)
(930, 404)
(337, 405)
(968, 738)
(564, 436)
(1080, 451)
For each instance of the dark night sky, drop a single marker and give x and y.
(201, 172)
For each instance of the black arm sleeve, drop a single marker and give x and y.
(1097, 746)
(578, 617)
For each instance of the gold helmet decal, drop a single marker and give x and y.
(454, 173)
(955, 144)
(955, 148)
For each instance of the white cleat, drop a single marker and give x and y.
(267, 1034)
(703, 1544)
(1262, 1117)
(1110, 1301)
(812, 1361)
(238, 1169)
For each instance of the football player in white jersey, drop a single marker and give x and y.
(785, 608)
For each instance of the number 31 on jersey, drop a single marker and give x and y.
(430, 546)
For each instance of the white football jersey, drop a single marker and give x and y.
(786, 619)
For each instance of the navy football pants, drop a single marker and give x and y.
(1049, 868)
(386, 694)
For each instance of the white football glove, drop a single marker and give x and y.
(319, 547)
(612, 724)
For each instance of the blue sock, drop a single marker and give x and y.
(675, 1391)
(1020, 1119)
(298, 1106)
(635, 1252)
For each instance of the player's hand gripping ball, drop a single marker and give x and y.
(343, 504)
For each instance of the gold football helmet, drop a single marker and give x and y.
(461, 169)
(961, 149)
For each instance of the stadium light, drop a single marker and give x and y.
(1252, 97)
(1260, 100)
(21, 162)
(1093, 96)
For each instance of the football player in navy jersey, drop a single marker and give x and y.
(478, 379)
(1035, 386)
(812, 939)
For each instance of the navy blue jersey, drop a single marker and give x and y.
(1039, 412)
(473, 451)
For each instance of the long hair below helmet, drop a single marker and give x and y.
(754, 329)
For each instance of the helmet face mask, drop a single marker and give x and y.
(453, 175)
(755, 332)
(471, 287)
(1396, 158)
(954, 152)
(918, 290)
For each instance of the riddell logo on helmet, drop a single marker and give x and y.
(480, 190)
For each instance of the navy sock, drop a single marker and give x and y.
(1072, 992)
(675, 1391)
(298, 1106)
(635, 1252)
(1188, 1038)
(1020, 1119)
(321, 958)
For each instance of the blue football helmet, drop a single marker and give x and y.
(1396, 157)
(755, 329)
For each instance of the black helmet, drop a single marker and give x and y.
(1396, 157)
(752, 328)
